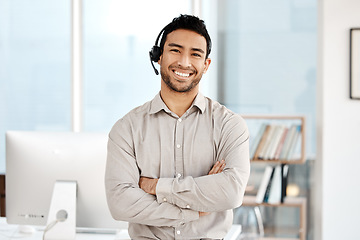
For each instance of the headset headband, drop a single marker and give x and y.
(155, 52)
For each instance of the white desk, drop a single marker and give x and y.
(10, 232)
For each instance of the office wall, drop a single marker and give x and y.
(337, 170)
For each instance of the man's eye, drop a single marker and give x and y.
(196, 55)
(174, 50)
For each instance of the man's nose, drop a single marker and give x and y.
(184, 60)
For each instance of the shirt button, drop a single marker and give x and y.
(164, 199)
(178, 175)
(180, 120)
(178, 232)
(188, 206)
(178, 146)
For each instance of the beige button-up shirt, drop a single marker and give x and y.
(152, 141)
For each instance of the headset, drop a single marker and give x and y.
(155, 52)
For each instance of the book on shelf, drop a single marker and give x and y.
(288, 139)
(268, 186)
(281, 144)
(263, 185)
(294, 142)
(273, 185)
(284, 175)
(276, 142)
(275, 189)
(268, 140)
(255, 143)
(261, 144)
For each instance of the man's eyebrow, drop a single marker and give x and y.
(175, 45)
(198, 50)
(179, 46)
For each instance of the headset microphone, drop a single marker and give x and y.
(151, 61)
(156, 52)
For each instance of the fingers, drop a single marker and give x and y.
(218, 167)
(142, 181)
(148, 185)
(222, 167)
(203, 214)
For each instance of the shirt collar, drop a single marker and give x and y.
(157, 104)
(199, 102)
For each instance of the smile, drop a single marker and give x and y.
(182, 74)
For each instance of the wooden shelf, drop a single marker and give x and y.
(282, 233)
(280, 161)
(298, 202)
(283, 117)
(271, 238)
(289, 202)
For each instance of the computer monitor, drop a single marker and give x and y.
(36, 160)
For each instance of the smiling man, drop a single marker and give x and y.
(178, 164)
(185, 55)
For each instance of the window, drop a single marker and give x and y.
(118, 36)
(263, 59)
(267, 51)
(35, 84)
(35, 61)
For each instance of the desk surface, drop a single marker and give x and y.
(9, 231)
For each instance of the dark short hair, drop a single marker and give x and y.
(188, 22)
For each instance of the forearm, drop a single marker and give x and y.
(128, 202)
(149, 184)
(211, 193)
(135, 206)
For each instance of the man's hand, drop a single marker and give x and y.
(203, 214)
(218, 167)
(148, 184)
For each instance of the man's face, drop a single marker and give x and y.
(183, 62)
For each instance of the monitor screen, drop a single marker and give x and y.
(36, 160)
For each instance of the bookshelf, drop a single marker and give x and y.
(298, 158)
(298, 202)
(282, 118)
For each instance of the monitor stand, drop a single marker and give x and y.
(61, 223)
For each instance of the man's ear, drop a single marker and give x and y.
(207, 64)
(159, 59)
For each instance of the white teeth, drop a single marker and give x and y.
(182, 74)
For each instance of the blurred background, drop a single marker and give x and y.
(264, 61)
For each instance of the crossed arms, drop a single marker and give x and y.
(149, 184)
(174, 201)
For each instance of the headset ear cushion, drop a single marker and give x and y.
(155, 53)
